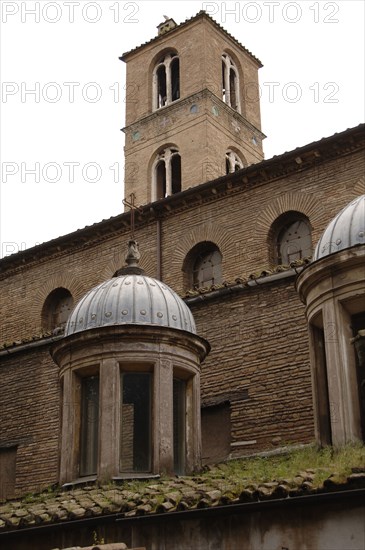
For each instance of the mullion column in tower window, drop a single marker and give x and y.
(224, 90)
(89, 425)
(168, 158)
(136, 416)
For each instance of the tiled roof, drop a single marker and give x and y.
(42, 337)
(112, 546)
(244, 281)
(218, 486)
(200, 14)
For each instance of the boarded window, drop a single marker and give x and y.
(290, 238)
(7, 472)
(57, 309)
(207, 269)
(202, 266)
(294, 242)
(216, 433)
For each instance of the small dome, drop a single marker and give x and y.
(130, 299)
(345, 230)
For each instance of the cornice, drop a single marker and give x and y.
(205, 93)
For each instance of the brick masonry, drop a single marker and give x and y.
(30, 417)
(202, 137)
(258, 337)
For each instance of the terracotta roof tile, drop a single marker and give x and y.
(200, 14)
(216, 487)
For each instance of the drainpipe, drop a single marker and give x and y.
(29, 345)
(158, 248)
(241, 287)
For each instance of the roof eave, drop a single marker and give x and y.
(200, 15)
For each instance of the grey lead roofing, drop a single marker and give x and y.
(131, 299)
(347, 229)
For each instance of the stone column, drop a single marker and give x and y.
(168, 172)
(154, 91)
(163, 413)
(109, 434)
(168, 81)
(342, 388)
(70, 433)
(193, 425)
(227, 83)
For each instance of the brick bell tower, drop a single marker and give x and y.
(192, 109)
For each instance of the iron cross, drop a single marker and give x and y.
(133, 208)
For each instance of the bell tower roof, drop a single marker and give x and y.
(166, 25)
(175, 27)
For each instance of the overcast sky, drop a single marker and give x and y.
(312, 85)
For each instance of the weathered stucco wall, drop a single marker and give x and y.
(316, 525)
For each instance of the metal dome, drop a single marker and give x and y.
(345, 230)
(130, 299)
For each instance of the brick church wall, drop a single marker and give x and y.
(258, 336)
(30, 417)
(259, 356)
(239, 222)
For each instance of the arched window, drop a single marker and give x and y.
(166, 174)
(166, 81)
(233, 162)
(203, 266)
(230, 83)
(292, 238)
(56, 309)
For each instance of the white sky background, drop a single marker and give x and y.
(318, 46)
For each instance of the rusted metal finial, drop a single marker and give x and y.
(133, 255)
